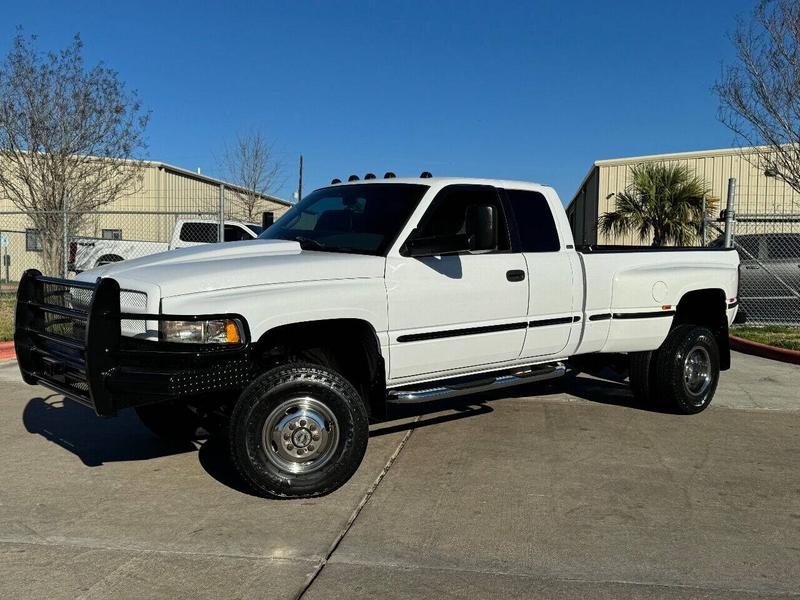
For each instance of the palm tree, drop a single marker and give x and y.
(663, 201)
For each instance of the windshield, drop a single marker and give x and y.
(361, 218)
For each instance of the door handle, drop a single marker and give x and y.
(515, 275)
(752, 267)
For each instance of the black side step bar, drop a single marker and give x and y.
(461, 386)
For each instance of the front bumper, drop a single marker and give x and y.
(76, 348)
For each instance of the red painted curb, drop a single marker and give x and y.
(765, 350)
(7, 350)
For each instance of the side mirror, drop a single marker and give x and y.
(437, 246)
(482, 227)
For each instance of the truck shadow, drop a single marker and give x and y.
(215, 459)
(602, 387)
(95, 441)
(458, 408)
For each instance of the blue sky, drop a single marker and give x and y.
(526, 90)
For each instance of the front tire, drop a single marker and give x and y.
(300, 430)
(687, 369)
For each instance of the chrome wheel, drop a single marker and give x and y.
(697, 372)
(300, 435)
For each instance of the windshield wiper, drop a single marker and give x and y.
(306, 241)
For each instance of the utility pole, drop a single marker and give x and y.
(300, 181)
(221, 207)
(703, 235)
(65, 238)
(729, 213)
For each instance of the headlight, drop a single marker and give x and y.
(222, 331)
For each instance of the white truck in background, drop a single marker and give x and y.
(88, 253)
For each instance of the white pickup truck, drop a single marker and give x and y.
(88, 253)
(365, 294)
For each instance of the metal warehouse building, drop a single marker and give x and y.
(759, 198)
(148, 213)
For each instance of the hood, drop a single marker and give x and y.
(212, 267)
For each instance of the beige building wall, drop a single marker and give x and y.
(756, 193)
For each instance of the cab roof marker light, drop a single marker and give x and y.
(335, 180)
(352, 178)
(369, 176)
(425, 175)
(389, 175)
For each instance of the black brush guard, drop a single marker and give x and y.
(68, 338)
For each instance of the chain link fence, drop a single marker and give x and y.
(169, 208)
(768, 243)
(769, 277)
(62, 243)
(100, 237)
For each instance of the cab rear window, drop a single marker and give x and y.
(535, 224)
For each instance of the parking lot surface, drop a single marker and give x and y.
(559, 490)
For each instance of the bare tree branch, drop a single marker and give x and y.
(760, 95)
(68, 135)
(250, 163)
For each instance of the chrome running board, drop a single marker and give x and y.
(460, 386)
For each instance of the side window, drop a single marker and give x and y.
(234, 233)
(203, 233)
(537, 229)
(448, 212)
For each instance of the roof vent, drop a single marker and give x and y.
(369, 176)
(352, 178)
(389, 175)
(425, 175)
(335, 181)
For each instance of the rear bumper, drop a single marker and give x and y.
(75, 347)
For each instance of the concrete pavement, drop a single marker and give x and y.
(561, 490)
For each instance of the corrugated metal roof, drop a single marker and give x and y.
(206, 179)
(680, 155)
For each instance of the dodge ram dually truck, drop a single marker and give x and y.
(365, 294)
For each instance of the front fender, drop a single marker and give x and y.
(266, 307)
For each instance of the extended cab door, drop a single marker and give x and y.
(456, 311)
(552, 306)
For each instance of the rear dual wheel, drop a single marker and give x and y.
(683, 373)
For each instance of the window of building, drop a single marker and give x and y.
(112, 234)
(537, 229)
(33, 240)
